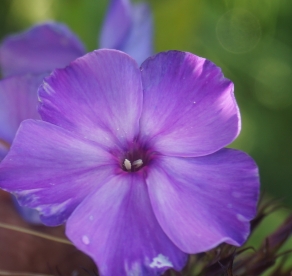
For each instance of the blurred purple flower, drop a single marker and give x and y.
(47, 46)
(133, 159)
(18, 101)
(39, 49)
(51, 45)
(128, 28)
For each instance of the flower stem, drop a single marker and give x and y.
(34, 233)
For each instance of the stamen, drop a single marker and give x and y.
(127, 165)
(138, 163)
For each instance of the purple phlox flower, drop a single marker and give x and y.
(133, 160)
(25, 58)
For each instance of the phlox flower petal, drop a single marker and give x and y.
(120, 231)
(99, 97)
(204, 201)
(118, 17)
(40, 49)
(56, 187)
(129, 28)
(18, 101)
(188, 106)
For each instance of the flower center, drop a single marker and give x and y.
(132, 166)
(135, 158)
(4, 144)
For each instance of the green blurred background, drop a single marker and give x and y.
(251, 40)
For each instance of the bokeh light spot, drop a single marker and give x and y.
(238, 31)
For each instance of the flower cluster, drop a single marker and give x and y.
(133, 159)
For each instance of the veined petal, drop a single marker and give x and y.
(188, 106)
(42, 48)
(117, 228)
(53, 170)
(18, 101)
(128, 28)
(204, 201)
(98, 96)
